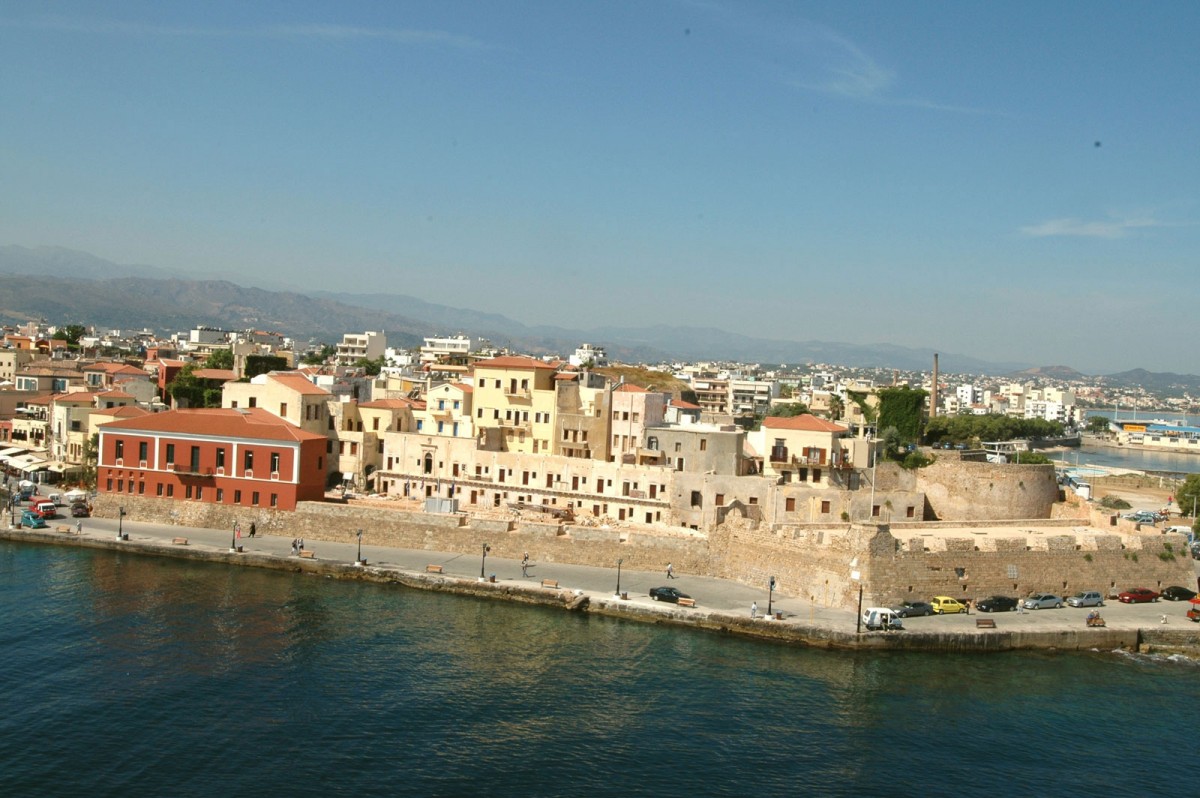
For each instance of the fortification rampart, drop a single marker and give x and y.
(964, 491)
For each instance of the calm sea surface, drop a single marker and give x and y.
(130, 676)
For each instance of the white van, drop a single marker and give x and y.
(881, 618)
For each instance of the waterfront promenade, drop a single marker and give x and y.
(721, 605)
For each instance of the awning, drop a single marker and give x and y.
(10, 452)
(59, 467)
(28, 462)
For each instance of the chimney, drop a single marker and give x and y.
(933, 396)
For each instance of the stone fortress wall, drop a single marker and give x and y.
(964, 558)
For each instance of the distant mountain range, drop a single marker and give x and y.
(66, 286)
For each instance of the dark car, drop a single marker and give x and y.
(667, 594)
(79, 511)
(996, 604)
(910, 609)
(1177, 593)
(1138, 595)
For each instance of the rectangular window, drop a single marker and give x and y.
(441, 404)
(696, 500)
(274, 461)
(253, 401)
(720, 499)
(441, 427)
(274, 500)
(199, 493)
(221, 457)
(141, 487)
(108, 485)
(248, 460)
(420, 424)
(237, 497)
(353, 448)
(704, 444)
(142, 449)
(195, 465)
(120, 486)
(789, 504)
(187, 491)
(120, 449)
(825, 507)
(283, 409)
(159, 491)
(375, 424)
(875, 511)
(254, 498)
(170, 491)
(220, 495)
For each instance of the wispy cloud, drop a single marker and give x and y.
(325, 32)
(1112, 228)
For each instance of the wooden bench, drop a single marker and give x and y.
(985, 623)
(65, 529)
(433, 569)
(308, 555)
(180, 541)
(549, 583)
(687, 602)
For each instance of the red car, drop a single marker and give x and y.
(1138, 595)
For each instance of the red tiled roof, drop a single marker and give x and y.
(805, 422)
(629, 387)
(215, 374)
(566, 375)
(221, 422)
(682, 405)
(513, 362)
(462, 386)
(297, 382)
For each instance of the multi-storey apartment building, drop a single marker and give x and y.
(514, 400)
(452, 350)
(801, 448)
(632, 410)
(69, 420)
(361, 346)
(245, 457)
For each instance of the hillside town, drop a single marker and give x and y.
(220, 426)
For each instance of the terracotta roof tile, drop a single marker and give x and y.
(805, 422)
(297, 382)
(221, 422)
(513, 362)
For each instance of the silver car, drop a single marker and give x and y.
(1086, 598)
(1043, 601)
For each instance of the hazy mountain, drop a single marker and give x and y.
(121, 296)
(1155, 382)
(1065, 373)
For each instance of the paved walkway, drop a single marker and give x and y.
(716, 595)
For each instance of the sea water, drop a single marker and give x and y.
(125, 675)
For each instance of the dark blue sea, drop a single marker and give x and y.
(133, 676)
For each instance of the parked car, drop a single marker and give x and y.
(1086, 598)
(1177, 593)
(881, 618)
(667, 594)
(1043, 601)
(1143, 517)
(997, 604)
(944, 605)
(909, 609)
(1138, 595)
(80, 510)
(32, 519)
(46, 508)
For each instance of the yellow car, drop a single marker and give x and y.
(945, 604)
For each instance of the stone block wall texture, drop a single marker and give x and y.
(968, 491)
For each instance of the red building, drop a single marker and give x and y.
(245, 457)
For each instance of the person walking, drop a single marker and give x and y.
(525, 565)
(670, 571)
(78, 527)
(753, 610)
(251, 529)
(295, 546)
(237, 530)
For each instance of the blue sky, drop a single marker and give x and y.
(1012, 181)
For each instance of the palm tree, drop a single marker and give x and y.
(836, 407)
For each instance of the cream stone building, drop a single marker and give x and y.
(801, 448)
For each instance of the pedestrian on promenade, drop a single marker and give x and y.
(295, 546)
(670, 571)
(251, 529)
(301, 544)
(753, 610)
(237, 529)
(525, 565)
(78, 527)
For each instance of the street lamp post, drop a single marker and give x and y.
(359, 559)
(770, 595)
(483, 562)
(857, 577)
(121, 523)
(619, 561)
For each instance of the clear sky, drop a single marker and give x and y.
(1013, 181)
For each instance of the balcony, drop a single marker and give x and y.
(188, 471)
(779, 454)
(517, 393)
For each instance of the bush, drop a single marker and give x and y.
(1114, 503)
(915, 460)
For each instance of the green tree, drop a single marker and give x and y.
(319, 356)
(71, 334)
(263, 364)
(904, 409)
(1097, 425)
(188, 390)
(90, 458)
(371, 367)
(1188, 496)
(1031, 458)
(220, 359)
(837, 407)
(788, 410)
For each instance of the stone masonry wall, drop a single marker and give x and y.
(964, 491)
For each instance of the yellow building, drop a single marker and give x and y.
(514, 401)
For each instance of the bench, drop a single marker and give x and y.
(180, 541)
(687, 602)
(549, 583)
(985, 623)
(65, 529)
(433, 569)
(308, 555)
